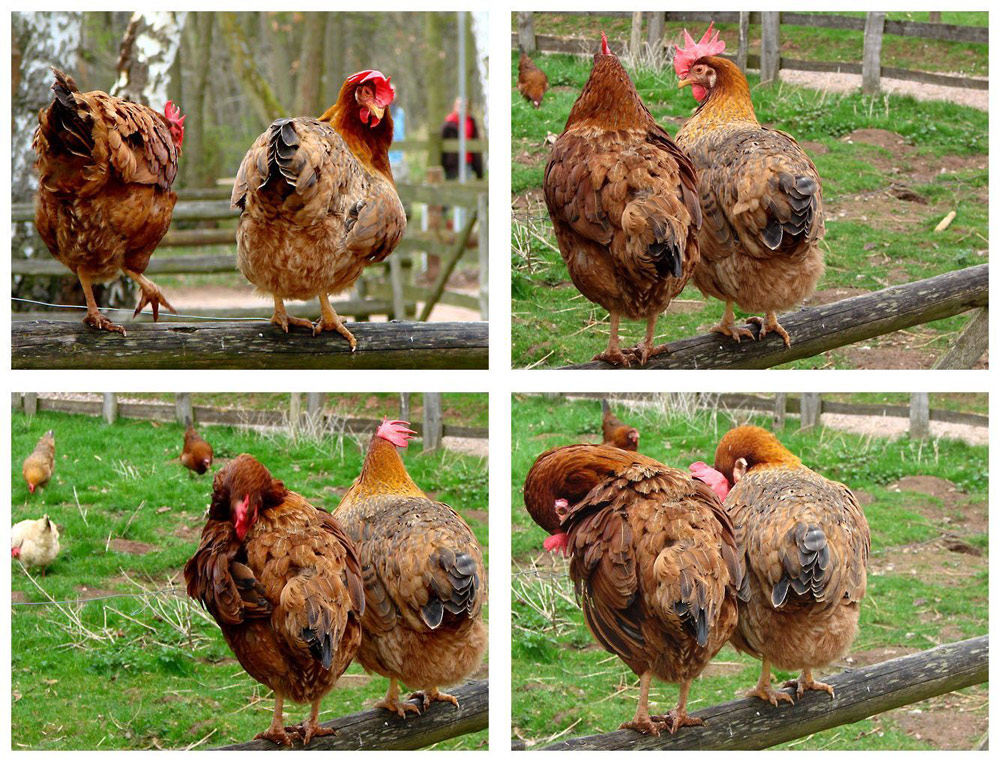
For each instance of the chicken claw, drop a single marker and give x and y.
(614, 357)
(331, 322)
(770, 324)
(426, 697)
(277, 735)
(643, 352)
(727, 326)
(805, 683)
(643, 723)
(283, 320)
(393, 704)
(675, 719)
(767, 693)
(102, 323)
(307, 730)
(151, 294)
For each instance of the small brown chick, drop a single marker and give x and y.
(197, 454)
(38, 467)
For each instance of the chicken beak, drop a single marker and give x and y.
(376, 110)
(685, 83)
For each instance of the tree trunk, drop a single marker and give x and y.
(744, 40)
(311, 65)
(262, 98)
(654, 32)
(146, 55)
(434, 75)
(635, 38)
(199, 167)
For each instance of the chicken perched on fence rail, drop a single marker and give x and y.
(39, 466)
(805, 542)
(105, 167)
(762, 204)
(623, 199)
(319, 203)
(425, 582)
(283, 581)
(531, 81)
(653, 558)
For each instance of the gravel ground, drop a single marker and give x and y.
(892, 428)
(839, 82)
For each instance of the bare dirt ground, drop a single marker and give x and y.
(840, 82)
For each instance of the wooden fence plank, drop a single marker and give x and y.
(970, 345)
(871, 57)
(862, 692)
(920, 415)
(815, 330)
(72, 345)
(811, 407)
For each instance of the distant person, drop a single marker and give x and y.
(449, 130)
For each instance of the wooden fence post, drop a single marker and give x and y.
(30, 403)
(970, 344)
(109, 407)
(744, 43)
(654, 32)
(920, 415)
(770, 46)
(396, 282)
(433, 426)
(314, 406)
(295, 411)
(780, 406)
(17, 401)
(484, 256)
(635, 38)
(809, 409)
(526, 31)
(404, 406)
(871, 60)
(182, 401)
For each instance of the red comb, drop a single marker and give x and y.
(605, 50)
(708, 45)
(385, 93)
(173, 113)
(395, 432)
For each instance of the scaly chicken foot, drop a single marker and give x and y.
(392, 703)
(678, 717)
(282, 319)
(642, 722)
(151, 294)
(763, 689)
(613, 354)
(727, 326)
(331, 322)
(805, 683)
(426, 697)
(644, 350)
(769, 324)
(276, 733)
(94, 318)
(310, 728)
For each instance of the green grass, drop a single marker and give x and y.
(146, 684)
(561, 677)
(870, 243)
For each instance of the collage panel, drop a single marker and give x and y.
(196, 186)
(683, 561)
(204, 568)
(699, 190)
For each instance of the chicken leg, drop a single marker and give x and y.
(642, 722)
(94, 318)
(769, 324)
(727, 326)
(283, 319)
(678, 717)
(331, 322)
(276, 732)
(151, 294)
(763, 689)
(392, 703)
(805, 683)
(310, 728)
(645, 349)
(613, 354)
(426, 697)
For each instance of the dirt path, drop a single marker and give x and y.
(841, 82)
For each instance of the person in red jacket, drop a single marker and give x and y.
(449, 130)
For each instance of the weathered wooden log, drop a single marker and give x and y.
(815, 330)
(377, 729)
(754, 724)
(970, 345)
(397, 345)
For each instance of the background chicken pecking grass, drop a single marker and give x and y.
(919, 499)
(153, 671)
(891, 166)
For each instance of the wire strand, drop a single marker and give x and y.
(163, 314)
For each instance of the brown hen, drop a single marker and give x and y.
(283, 581)
(38, 467)
(197, 453)
(318, 202)
(425, 583)
(531, 81)
(653, 558)
(617, 433)
(104, 201)
(761, 199)
(805, 542)
(623, 201)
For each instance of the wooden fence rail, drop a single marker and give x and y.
(860, 693)
(377, 729)
(397, 345)
(815, 330)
